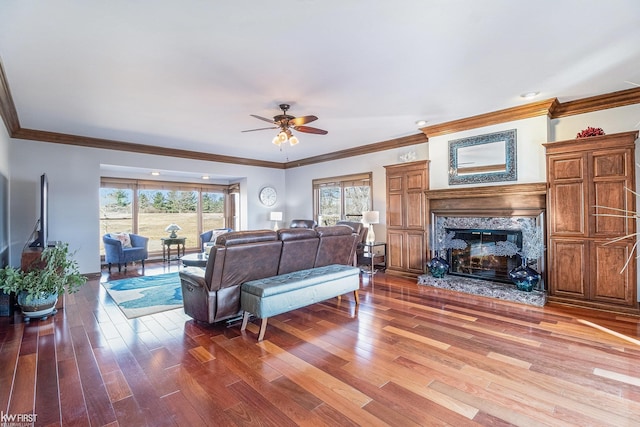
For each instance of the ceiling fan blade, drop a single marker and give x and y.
(252, 130)
(299, 121)
(309, 129)
(262, 118)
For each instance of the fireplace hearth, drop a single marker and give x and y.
(485, 288)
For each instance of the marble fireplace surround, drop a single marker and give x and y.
(488, 207)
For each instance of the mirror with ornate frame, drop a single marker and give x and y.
(484, 158)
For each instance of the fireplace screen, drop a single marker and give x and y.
(477, 259)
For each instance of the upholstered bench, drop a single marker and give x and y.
(285, 292)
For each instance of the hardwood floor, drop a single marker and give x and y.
(412, 356)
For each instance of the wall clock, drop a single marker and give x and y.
(268, 196)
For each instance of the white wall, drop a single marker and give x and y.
(74, 181)
(613, 120)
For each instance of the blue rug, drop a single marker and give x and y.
(140, 296)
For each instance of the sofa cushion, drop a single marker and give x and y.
(124, 238)
(287, 234)
(233, 238)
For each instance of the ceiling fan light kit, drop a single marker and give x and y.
(286, 123)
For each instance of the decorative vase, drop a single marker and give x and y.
(37, 307)
(438, 267)
(524, 277)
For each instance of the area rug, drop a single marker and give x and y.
(140, 296)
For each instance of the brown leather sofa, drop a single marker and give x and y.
(212, 294)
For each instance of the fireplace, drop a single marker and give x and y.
(483, 216)
(478, 259)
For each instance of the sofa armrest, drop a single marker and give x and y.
(138, 241)
(194, 277)
(112, 246)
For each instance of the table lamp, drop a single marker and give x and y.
(276, 216)
(173, 228)
(369, 218)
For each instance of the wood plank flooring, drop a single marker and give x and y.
(409, 356)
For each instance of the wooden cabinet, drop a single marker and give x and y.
(585, 266)
(406, 244)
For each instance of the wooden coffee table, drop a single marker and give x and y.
(195, 260)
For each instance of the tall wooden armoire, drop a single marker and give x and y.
(585, 267)
(406, 229)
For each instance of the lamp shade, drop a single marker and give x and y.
(276, 216)
(371, 217)
(173, 227)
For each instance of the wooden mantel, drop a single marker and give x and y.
(495, 200)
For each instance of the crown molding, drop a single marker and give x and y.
(417, 138)
(597, 103)
(534, 109)
(7, 107)
(550, 107)
(108, 144)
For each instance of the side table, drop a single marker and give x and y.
(166, 247)
(374, 256)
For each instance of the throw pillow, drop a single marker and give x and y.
(124, 238)
(215, 234)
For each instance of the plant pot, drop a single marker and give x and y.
(524, 277)
(39, 307)
(438, 267)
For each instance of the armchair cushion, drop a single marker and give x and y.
(124, 238)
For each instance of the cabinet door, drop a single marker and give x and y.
(610, 181)
(394, 210)
(414, 209)
(610, 282)
(567, 271)
(567, 195)
(415, 250)
(395, 249)
(416, 180)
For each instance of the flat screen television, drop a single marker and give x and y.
(43, 222)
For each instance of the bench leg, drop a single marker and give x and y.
(356, 297)
(245, 320)
(263, 328)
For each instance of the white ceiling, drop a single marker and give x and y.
(187, 74)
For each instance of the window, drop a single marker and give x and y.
(341, 198)
(148, 207)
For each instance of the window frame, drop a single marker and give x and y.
(230, 210)
(362, 179)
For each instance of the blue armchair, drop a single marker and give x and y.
(115, 251)
(206, 236)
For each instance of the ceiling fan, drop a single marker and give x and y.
(286, 123)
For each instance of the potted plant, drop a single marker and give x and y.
(38, 287)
